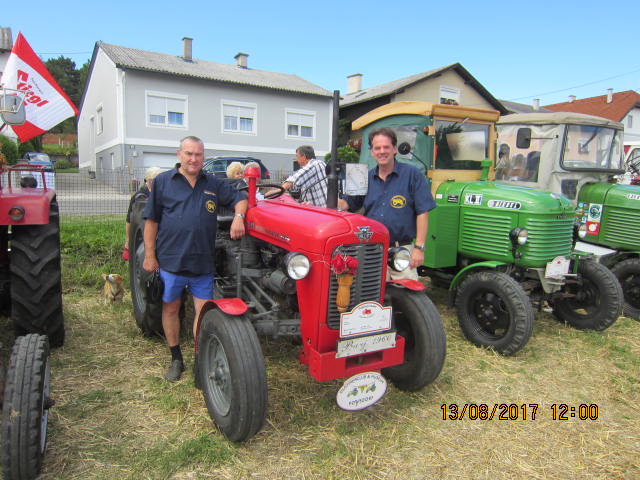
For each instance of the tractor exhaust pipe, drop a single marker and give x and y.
(332, 177)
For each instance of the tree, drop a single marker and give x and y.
(64, 71)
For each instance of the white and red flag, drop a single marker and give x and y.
(46, 105)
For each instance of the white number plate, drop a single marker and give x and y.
(360, 345)
(558, 267)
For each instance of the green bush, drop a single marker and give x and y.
(346, 154)
(63, 164)
(9, 149)
(60, 149)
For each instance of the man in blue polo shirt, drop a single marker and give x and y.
(179, 237)
(398, 196)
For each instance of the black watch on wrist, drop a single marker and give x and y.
(419, 247)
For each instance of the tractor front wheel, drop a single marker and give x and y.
(417, 320)
(628, 274)
(25, 409)
(36, 280)
(593, 301)
(494, 311)
(232, 374)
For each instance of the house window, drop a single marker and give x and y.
(300, 124)
(629, 121)
(166, 110)
(99, 120)
(449, 95)
(238, 117)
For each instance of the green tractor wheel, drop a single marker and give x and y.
(494, 311)
(628, 274)
(593, 301)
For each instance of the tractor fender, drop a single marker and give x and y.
(230, 306)
(462, 274)
(407, 283)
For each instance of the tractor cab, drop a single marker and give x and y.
(445, 142)
(558, 152)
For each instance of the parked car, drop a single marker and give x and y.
(218, 165)
(37, 157)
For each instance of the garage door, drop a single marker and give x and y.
(162, 160)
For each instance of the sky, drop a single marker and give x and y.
(519, 51)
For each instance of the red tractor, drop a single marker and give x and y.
(287, 277)
(31, 295)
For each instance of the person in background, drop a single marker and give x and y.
(398, 196)
(259, 196)
(234, 170)
(143, 192)
(180, 234)
(310, 179)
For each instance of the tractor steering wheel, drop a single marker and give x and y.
(266, 185)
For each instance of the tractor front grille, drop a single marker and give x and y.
(485, 235)
(367, 281)
(548, 238)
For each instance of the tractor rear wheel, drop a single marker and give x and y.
(232, 374)
(417, 320)
(628, 274)
(36, 285)
(591, 302)
(494, 311)
(25, 409)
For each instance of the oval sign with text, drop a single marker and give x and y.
(361, 391)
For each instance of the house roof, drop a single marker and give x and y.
(516, 107)
(133, 59)
(620, 105)
(398, 85)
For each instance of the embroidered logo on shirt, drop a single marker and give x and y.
(211, 206)
(398, 201)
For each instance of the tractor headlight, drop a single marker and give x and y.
(399, 258)
(519, 236)
(582, 230)
(296, 265)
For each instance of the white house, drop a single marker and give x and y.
(137, 105)
(6, 44)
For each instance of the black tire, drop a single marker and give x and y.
(148, 314)
(232, 374)
(418, 321)
(628, 274)
(25, 409)
(36, 281)
(595, 298)
(494, 311)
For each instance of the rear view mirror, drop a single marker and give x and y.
(404, 148)
(12, 107)
(523, 138)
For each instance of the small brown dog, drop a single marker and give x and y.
(113, 289)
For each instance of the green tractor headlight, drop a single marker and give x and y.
(582, 230)
(519, 236)
(399, 258)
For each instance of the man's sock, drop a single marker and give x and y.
(176, 353)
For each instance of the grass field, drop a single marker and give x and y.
(116, 418)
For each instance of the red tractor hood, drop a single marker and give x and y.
(293, 226)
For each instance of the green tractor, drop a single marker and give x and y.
(578, 156)
(503, 250)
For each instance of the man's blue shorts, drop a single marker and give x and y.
(200, 287)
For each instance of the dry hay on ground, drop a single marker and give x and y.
(114, 412)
